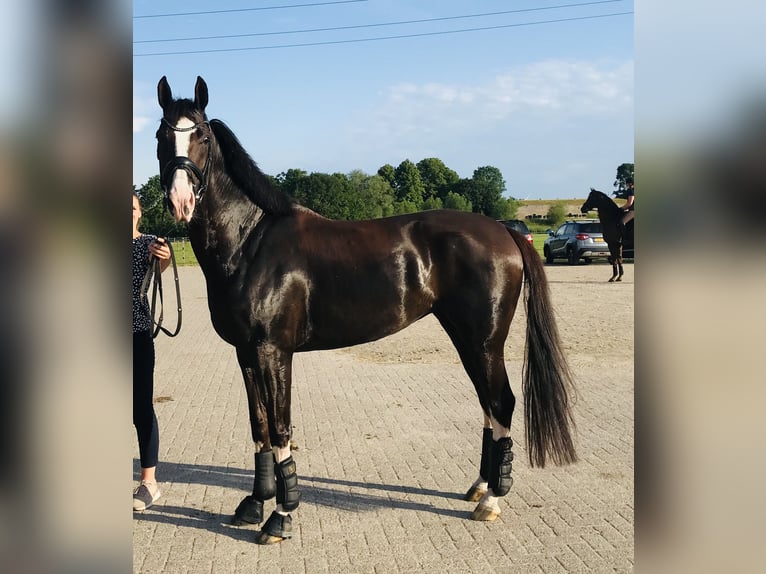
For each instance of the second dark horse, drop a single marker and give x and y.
(619, 240)
(282, 279)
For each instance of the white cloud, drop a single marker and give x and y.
(145, 117)
(139, 123)
(143, 106)
(575, 115)
(563, 88)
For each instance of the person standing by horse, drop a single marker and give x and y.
(145, 247)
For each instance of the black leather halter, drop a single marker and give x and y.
(183, 162)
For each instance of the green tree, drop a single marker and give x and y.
(402, 207)
(432, 203)
(328, 195)
(489, 189)
(485, 192)
(388, 173)
(506, 208)
(624, 171)
(557, 213)
(372, 196)
(437, 178)
(468, 189)
(408, 186)
(289, 181)
(456, 201)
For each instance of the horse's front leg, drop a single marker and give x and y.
(619, 264)
(613, 260)
(250, 510)
(275, 376)
(279, 525)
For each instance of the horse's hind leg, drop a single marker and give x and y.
(480, 486)
(494, 473)
(483, 361)
(499, 455)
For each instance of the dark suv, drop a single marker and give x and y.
(520, 226)
(576, 240)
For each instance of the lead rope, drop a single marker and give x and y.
(155, 270)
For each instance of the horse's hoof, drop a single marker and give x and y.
(618, 279)
(248, 513)
(611, 280)
(278, 527)
(474, 494)
(485, 514)
(265, 538)
(236, 521)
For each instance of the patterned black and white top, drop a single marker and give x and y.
(142, 319)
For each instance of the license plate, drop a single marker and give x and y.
(598, 239)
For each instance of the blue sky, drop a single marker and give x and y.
(549, 104)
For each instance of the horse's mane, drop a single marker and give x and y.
(601, 193)
(605, 199)
(246, 174)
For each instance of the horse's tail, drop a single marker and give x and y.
(547, 381)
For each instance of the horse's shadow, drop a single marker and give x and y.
(333, 494)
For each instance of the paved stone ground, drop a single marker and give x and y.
(386, 446)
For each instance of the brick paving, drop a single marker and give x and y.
(385, 451)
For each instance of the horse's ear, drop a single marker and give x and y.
(592, 189)
(200, 94)
(164, 94)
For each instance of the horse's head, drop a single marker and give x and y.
(183, 148)
(590, 203)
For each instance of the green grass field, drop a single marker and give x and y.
(537, 240)
(183, 252)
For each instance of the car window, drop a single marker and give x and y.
(519, 226)
(591, 227)
(560, 230)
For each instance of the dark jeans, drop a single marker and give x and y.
(144, 418)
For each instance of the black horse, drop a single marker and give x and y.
(282, 279)
(618, 238)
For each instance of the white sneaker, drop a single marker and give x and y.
(145, 495)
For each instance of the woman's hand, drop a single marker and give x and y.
(159, 248)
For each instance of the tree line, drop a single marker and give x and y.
(407, 188)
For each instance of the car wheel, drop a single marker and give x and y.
(547, 253)
(571, 257)
(587, 259)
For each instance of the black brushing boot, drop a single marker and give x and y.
(288, 494)
(280, 526)
(474, 493)
(277, 528)
(250, 510)
(500, 480)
